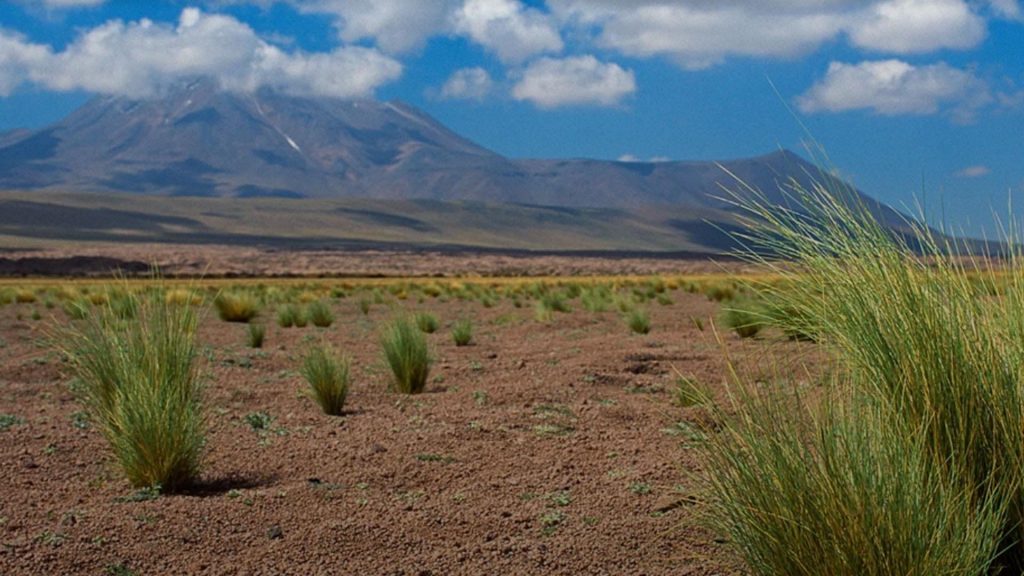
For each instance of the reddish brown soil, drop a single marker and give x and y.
(570, 423)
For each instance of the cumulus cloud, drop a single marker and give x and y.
(139, 59)
(912, 26)
(468, 84)
(894, 87)
(580, 80)
(978, 171)
(396, 25)
(702, 33)
(511, 31)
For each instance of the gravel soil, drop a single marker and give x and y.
(542, 448)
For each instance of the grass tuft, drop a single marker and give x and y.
(328, 378)
(141, 388)
(236, 307)
(406, 352)
(462, 332)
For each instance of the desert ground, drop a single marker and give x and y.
(547, 446)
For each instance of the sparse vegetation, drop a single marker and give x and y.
(406, 352)
(328, 378)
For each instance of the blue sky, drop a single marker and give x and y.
(911, 98)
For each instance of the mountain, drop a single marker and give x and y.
(203, 142)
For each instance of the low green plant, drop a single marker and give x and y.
(462, 332)
(236, 306)
(140, 384)
(426, 322)
(320, 314)
(255, 335)
(328, 377)
(406, 352)
(364, 305)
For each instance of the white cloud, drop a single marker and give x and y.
(1009, 9)
(652, 160)
(894, 87)
(913, 26)
(977, 171)
(702, 33)
(580, 80)
(468, 84)
(395, 25)
(66, 4)
(511, 31)
(139, 59)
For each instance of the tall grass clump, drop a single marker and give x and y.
(140, 384)
(940, 371)
(328, 378)
(406, 352)
(844, 493)
(236, 306)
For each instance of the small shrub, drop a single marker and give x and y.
(406, 352)
(255, 335)
(236, 307)
(426, 322)
(328, 378)
(638, 320)
(364, 305)
(320, 314)
(142, 389)
(462, 332)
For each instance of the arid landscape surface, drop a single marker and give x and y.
(545, 447)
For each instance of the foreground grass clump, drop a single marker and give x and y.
(328, 378)
(846, 494)
(916, 464)
(140, 384)
(236, 307)
(406, 352)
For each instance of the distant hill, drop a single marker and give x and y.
(199, 141)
